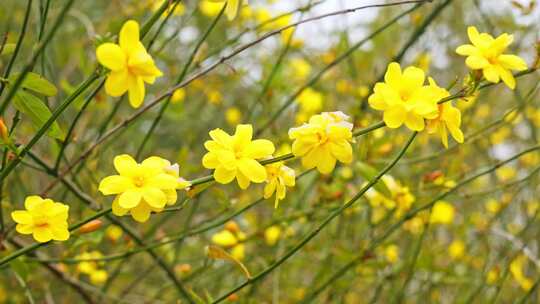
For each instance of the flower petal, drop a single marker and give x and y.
(136, 91)
(111, 56)
(42, 234)
(259, 148)
(129, 199)
(223, 175)
(21, 217)
(129, 36)
(154, 197)
(115, 184)
(117, 83)
(252, 169)
(32, 201)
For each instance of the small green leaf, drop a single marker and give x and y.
(369, 173)
(8, 49)
(37, 111)
(35, 83)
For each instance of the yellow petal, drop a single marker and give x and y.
(466, 50)
(111, 56)
(252, 170)
(474, 36)
(243, 181)
(21, 217)
(476, 62)
(136, 91)
(24, 229)
(491, 74)
(129, 199)
(259, 148)
(116, 209)
(141, 213)
(223, 175)
(414, 122)
(60, 233)
(210, 161)
(393, 74)
(243, 135)
(129, 36)
(221, 137)
(512, 62)
(342, 150)
(117, 83)
(327, 161)
(394, 117)
(154, 197)
(32, 202)
(115, 184)
(162, 181)
(125, 164)
(42, 234)
(413, 77)
(506, 77)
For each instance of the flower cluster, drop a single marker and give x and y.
(92, 268)
(231, 238)
(142, 188)
(43, 218)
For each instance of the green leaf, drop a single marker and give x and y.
(369, 173)
(36, 83)
(8, 49)
(37, 111)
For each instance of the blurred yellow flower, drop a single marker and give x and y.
(272, 235)
(279, 177)
(113, 233)
(486, 54)
(131, 66)
(233, 116)
(233, 239)
(43, 218)
(391, 253)
(310, 101)
(456, 249)
(448, 119)
(91, 268)
(178, 96)
(516, 268)
(300, 68)
(404, 99)
(324, 139)
(401, 198)
(442, 213)
(236, 156)
(142, 188)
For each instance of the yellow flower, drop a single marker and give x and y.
(142, 188)
(442, 213)
(178, 96)
(300, 69)
(324, 139)
(272, 235)
(279, 177)
(233, 115)
(236, 156)
(131, 66)
(401, 198)
(233, 7)
(391, 253)
(43, 218)
(210, 8)
(516, 268)
(91, 268)
(449, 118)
(310, 101)
(486, 54)
(456, 249)
(233, 240)
(404, 98)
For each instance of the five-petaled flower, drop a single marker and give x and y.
(131, 66)
(43, 218)
(449, 118)
(236, 156)
(324, 139)
(142, 188)
(279, 178)
(486, 54)
(404, 98)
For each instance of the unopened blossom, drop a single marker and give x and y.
(237, 156)
(404, 98)
(43, 218)
(279, 177)
(322, 141)
(130, 64)
(142, 188)
(487, 54)
(448, 119)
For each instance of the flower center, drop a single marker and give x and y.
(138, 181)
(322, 138)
